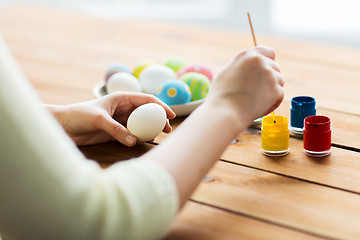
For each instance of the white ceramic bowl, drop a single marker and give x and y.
(180, 109)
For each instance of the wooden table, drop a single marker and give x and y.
(246, 195)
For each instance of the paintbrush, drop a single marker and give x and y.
(254, 39)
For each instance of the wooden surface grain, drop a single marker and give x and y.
(298, 204)
(246, 195)
(202, 221)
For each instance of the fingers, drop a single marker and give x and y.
(274, 107)
(278, 92)
(263, 50)
(147, 98)
(167, 127)
(266, 51)
(269, 53)
(273, 64)
(138, 99)
(116, 130)
(120, 133)
(257, 69)
(281, 80)
(274, 76)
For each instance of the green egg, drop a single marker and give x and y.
(175, 63)
(199, 85)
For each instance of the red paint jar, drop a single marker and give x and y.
(317, 136)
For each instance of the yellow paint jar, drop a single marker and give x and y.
(275, 136)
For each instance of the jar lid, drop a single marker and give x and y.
(303, 102)
(317, 124)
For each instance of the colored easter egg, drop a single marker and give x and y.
(199, 84)
(123, 81)
(199, 68)
(115, 68)
(153, 76)
(141, 65)
(175, 63)
(173, 92)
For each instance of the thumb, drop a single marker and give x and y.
(118, 131)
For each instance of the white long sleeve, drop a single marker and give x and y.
(48, 190)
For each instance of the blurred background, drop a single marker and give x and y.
(328, 21)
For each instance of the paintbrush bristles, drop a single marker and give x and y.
(252, 30)
(273, 115)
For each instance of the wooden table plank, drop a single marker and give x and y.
(340, 57)
(333, 88)
(339, 170)
(111, 152)
(199, 221)
(63, 22)
(298, 204)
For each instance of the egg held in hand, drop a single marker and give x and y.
(123, 81)
(147, 121)
(174, 92)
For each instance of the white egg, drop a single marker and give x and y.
(147, 121)
(153, 76)
(123, 81)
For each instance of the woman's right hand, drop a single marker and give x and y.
(251, 84)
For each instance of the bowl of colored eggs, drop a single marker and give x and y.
(183, 87)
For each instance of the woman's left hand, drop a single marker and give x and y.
(104, 119)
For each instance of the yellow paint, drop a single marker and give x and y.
(275, 137)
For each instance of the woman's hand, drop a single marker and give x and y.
(104, 119)
(251, 84)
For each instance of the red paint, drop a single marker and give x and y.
(317, 133)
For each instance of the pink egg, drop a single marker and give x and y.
(199, 68)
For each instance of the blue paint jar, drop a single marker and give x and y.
(301, 107)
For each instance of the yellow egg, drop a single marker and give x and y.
(141, 65)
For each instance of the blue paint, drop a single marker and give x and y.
(301, 107)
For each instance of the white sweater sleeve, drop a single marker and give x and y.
(48, 190)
